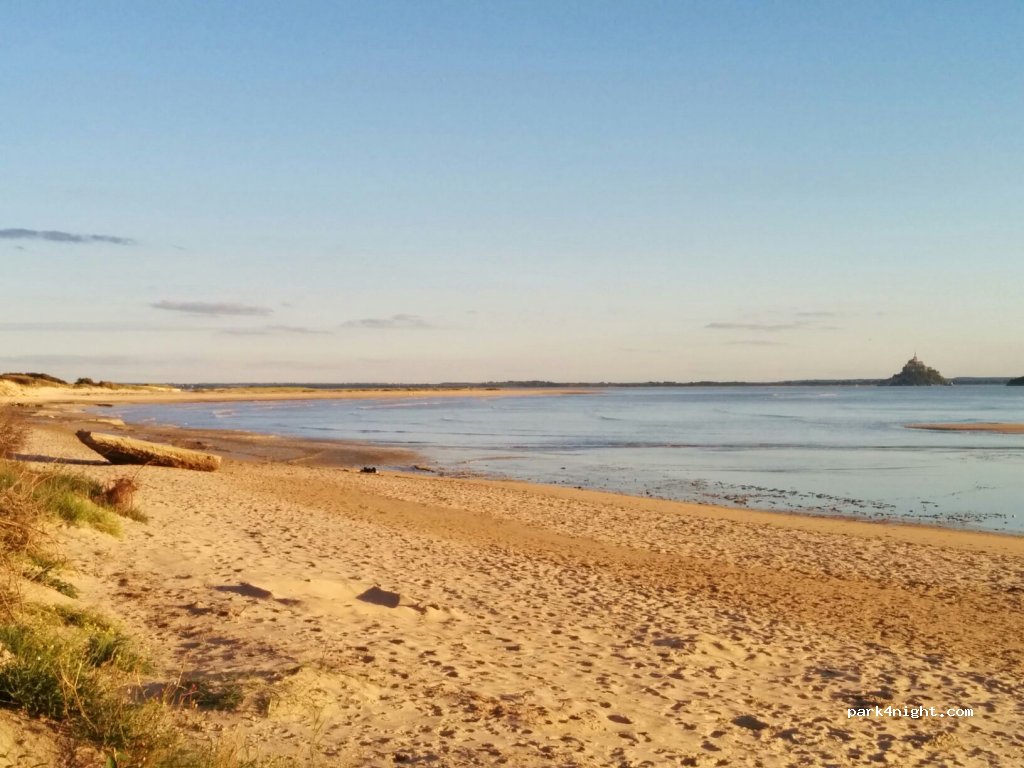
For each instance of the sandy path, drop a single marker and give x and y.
(540, 626)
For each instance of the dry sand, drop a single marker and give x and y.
(388, 619)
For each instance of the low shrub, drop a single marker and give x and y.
(19, 525)
(119, 495)
(22, 540)
(14, 432)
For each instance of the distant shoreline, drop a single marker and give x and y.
(35, 387)
(96, 396)
(544, 384)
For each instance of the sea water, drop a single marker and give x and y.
(823, 450)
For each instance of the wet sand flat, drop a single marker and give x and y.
(1003, 428)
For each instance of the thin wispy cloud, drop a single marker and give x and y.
(211, 308)
(293, 366)
(395, 321)
(762, 327)
(301, 329)
(82, 360)
(68, 327)
(757, 343)
(795, 321)
(268, 330)
(642, 350)
(57, 236)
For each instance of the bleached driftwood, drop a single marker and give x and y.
(128, 450)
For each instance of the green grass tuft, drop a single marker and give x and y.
(133, 513)
(72, 666)
(78, 511)
(30, 675)
(71, 498)
(76, 675)
(110, 646)
(43, 568)
(222, 696)
(73, 616)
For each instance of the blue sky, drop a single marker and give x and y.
(429, 191)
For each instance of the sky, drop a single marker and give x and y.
(438, 191)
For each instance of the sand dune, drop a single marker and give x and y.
(389, 619)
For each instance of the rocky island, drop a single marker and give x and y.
(916, 374)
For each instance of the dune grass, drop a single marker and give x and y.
(45, 568)
(72, 498)
(74, 667)
(73, 674)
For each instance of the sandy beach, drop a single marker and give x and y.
(525, 384)
(383, 619)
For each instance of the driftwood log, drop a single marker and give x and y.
(127, 450)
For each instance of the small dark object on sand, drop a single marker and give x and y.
(369, 470)
(378, 596)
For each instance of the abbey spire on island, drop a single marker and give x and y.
(916, 374)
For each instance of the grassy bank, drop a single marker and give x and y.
(67, 665)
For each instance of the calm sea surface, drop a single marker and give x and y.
(833, 450)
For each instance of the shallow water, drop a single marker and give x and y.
(833, 450)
